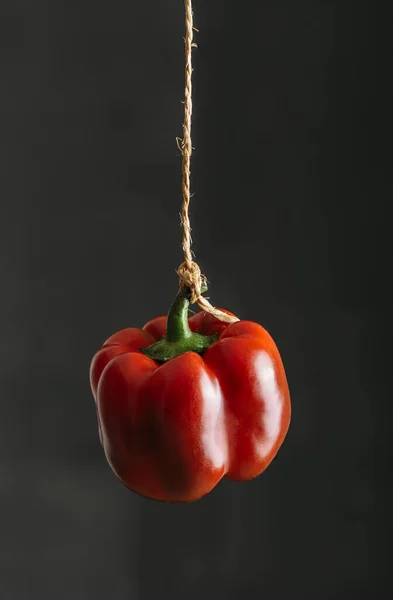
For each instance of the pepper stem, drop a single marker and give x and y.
(177, 328)
(179, 338)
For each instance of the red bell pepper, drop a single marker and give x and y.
(206, 400)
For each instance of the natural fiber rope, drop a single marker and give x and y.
(189, 272)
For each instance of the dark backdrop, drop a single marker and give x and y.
(292, 180)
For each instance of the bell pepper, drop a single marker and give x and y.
(184, 402)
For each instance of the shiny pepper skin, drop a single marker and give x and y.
(171, 431)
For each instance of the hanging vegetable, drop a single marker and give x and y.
(185, 401)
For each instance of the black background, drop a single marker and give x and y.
(291, 223)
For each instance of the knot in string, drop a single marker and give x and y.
(190, 277)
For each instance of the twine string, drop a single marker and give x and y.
(189, 272)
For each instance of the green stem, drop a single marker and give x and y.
(177, 328)
(179, 337)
